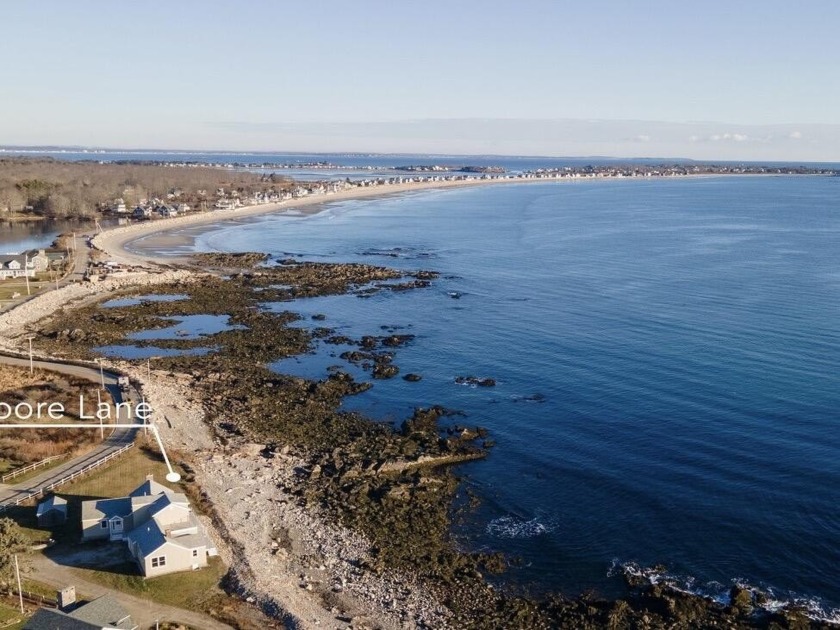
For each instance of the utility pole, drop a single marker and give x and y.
(101, 372)
(98, 407)
(26, 272)
(31, 364)
(20, 590)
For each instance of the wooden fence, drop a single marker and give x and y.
(67, 478)
(25, 469)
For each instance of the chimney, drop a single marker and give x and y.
(150, 477)
(66, 597)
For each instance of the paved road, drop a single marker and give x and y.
(58, 571)
(80, 261)
(117, 439)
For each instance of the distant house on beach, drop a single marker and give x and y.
(158, 525)
(142, 212)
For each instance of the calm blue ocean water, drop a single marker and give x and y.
(667, 356)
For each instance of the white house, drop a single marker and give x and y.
(168, 212)
(16, 266)
(158, 525)
(38, 259)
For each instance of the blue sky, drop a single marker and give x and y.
(714, 79)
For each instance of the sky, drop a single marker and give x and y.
(711, 80)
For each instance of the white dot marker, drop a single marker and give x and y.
(173, 477)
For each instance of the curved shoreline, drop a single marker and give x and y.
(235, 473)
(115, 241)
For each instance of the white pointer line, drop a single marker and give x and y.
(171, 476)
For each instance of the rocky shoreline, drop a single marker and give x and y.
(326, 518)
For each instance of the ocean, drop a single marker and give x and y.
(666, 355)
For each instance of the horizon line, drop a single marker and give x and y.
(12, 148)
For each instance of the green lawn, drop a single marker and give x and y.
(120, 476)
(193, 590)
(39, 588)
(9, 287)
(116, 479)
(8, 612)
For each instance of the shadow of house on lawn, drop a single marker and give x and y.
(100, 556)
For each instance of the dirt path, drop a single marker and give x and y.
(144, 612)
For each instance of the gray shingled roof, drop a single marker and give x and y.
(147, 537)
(190, 541)
(106, 611)
(45, 619)
(165, 500)
(105, 508)
(53, 502)
(150, 487)
(102, 612)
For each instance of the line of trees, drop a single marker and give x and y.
(58, 189)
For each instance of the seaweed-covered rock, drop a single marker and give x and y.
(385, 370)
(475, 381)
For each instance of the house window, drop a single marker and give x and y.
(160, 561)
(195, 553)
(104, 524)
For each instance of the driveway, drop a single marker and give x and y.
(144, 612)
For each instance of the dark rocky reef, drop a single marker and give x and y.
(221, 260)
(475, 381)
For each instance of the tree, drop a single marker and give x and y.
(12, 541)
(11, 200)
(57, 205)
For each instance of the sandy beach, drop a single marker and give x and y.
(158, 234)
